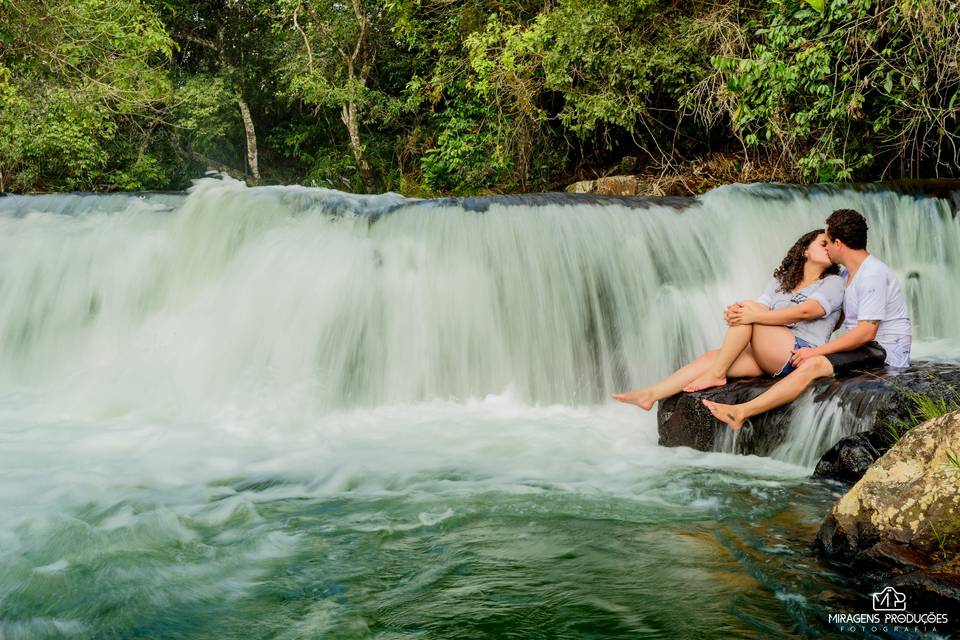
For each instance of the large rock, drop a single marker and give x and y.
(874, 402)
(850, 458)
(608, 186)
(899, 525)
(683, 420)
(633, 185)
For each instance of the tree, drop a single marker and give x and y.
(862, 90)
(228, 44)
(83, 88)
(433, 97)
(331, 60)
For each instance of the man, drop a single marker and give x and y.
(877, 323)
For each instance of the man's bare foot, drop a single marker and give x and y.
(731, 414)
(706, 381)
(642, 398)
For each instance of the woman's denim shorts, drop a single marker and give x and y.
(799, 343)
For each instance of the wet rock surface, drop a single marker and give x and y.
(850, 458)
(875, 403)
(899, 525)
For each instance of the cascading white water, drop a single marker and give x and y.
(323, 300)
(289, 412)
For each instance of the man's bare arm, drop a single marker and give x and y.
(864, 332)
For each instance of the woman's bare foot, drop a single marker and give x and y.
(731, 414)
(642, 398)
(706, 381)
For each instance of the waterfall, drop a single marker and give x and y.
(332, 301)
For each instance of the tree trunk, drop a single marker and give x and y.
(251, 140)
(210, 163)
(349, 115)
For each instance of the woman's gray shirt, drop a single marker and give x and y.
(827, 291)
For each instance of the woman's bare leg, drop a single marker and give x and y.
(747, 351)
(644, 398)
(734, 343)
(771, 347)
(745, 366)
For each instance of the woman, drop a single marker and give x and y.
(799, 308)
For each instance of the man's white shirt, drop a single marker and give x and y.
(875, 294)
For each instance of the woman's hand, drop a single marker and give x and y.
(739, 314)
(743, 312)
(728, 314)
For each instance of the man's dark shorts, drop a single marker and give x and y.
(869, 356)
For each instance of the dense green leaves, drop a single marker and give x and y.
(81, 84)
(863, 89)
(434, 97)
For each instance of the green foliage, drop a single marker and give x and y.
(468, 151)
(953, 462)
(928, 406)
(595, 69)
(78, 81)
(841, 90)
(894, 430)
(205, 111)
(940, 538)
(938, 401)
(434, 97)
(328, 65)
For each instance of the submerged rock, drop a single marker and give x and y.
(876, 403)
(850, 458)
(899, 525)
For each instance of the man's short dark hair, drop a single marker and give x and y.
(849, 227)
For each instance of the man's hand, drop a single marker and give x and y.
(801, 355)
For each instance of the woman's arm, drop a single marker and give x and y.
(755, 314)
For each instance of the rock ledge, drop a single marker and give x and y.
(899, 525)
(871, 403)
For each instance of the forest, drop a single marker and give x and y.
(443, 97)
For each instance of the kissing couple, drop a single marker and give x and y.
(786, 332)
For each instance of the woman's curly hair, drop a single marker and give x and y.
(790, 271)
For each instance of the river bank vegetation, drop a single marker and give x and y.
(430, 97)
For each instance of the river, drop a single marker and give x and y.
(284, 412)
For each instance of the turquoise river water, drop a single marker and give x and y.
(293, 413)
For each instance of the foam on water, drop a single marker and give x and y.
(354, 341)
(318, 300)
(189, 385)
(490, 444)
